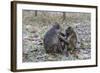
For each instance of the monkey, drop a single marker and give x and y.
(71, 38)
(52, 42)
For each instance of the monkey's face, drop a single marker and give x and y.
(69, 31)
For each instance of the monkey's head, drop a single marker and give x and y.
(56, 26)
(69, 30)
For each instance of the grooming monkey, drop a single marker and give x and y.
(71, 38)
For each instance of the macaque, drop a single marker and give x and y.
(52, 43)
(71, 38)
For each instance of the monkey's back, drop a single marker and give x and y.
(51, 40)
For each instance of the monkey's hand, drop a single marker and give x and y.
(62, 38)
(62, 34)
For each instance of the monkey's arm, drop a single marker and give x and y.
(62, 34)
(63, 39)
